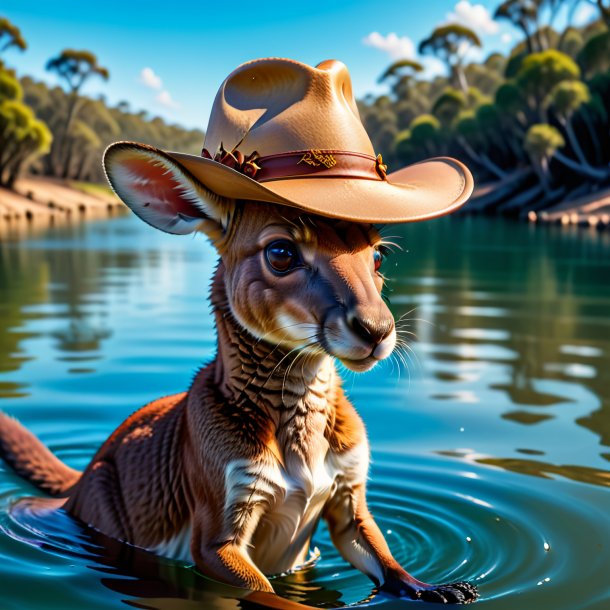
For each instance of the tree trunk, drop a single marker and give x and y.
(541, 168)
(586, 117)
(68, 159)
(63, 135)
(461, 77)
(590, 172)
(482, 159)
(528, 38)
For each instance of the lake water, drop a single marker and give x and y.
(491, 453)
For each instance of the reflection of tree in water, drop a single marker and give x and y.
(543, 288)
(80, 336)
(64, 281)
(539, 468)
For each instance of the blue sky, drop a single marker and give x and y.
(187, 48)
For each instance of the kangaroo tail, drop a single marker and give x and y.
(30, 459)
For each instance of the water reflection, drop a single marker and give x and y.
(509, 381)
(535, 300)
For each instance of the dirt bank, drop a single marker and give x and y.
(40, 202)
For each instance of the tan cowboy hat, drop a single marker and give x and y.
(283, 132)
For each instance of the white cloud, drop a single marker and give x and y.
(474, 16)
(506, 38)
(149, 79)
(165, 99)
(396, 47)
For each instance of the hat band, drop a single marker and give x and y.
(303, 163)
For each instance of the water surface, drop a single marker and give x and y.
(491, 450)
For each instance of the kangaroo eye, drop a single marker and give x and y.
(282, 256)
(377, 259)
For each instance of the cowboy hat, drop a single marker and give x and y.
(283, 132)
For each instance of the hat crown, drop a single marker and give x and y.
(274, 106)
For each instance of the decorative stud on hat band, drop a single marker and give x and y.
(302, 163)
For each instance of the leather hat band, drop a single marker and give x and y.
(298, 164)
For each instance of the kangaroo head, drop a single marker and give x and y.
(290, 278)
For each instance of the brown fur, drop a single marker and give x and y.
(265, 442)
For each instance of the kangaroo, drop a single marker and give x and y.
(235, 473)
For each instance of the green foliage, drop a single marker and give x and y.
(449, 105)
(10, 36)
(506, 112)
(10, 89)
(509, 99)
(425, 130)
(513, 65)
(571, 43)
(568, 96)
(595, 55)
(75, 67)
(467, 125)
(540, 72)
(401, 67)
(523, 14)
(542, 141)
(446, 40)
(23, 136)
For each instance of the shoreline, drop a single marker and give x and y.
(40, 202)
(590, 209)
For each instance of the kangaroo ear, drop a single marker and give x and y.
(162, 192)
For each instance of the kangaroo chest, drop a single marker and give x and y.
(281, 540)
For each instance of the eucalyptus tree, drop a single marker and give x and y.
(450, 43)
(74, 69)
(10, 36)
(474, 142)
(604, 10)
(566, 99)
(595, 54)
(541, 143)
(524, 15)
(448, 106)
(539, 73)
(23, 136)
(402, 74)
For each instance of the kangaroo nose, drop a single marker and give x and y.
(371, 331)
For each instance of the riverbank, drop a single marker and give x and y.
(515, 196)
(40, 202)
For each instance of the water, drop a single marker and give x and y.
(490, 456)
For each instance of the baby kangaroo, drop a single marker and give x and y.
(235, 473)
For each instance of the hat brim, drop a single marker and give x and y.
(418, 192)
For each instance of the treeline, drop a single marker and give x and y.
(58, 132)
(536, 121)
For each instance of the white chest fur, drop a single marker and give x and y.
(291, 501)
(281, 540)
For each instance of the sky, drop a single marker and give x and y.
(169, 58)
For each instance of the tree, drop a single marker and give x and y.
(470, 137)
(448, 106)
(425, 134)
(450, 43)
(541, 143)
(566, 99)
(402, 67)
(604, 10)
(595, 55)
(74, 68)
(540, 72)
(10, 36)
(22, 135)
(402, 73)
(523, 14)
